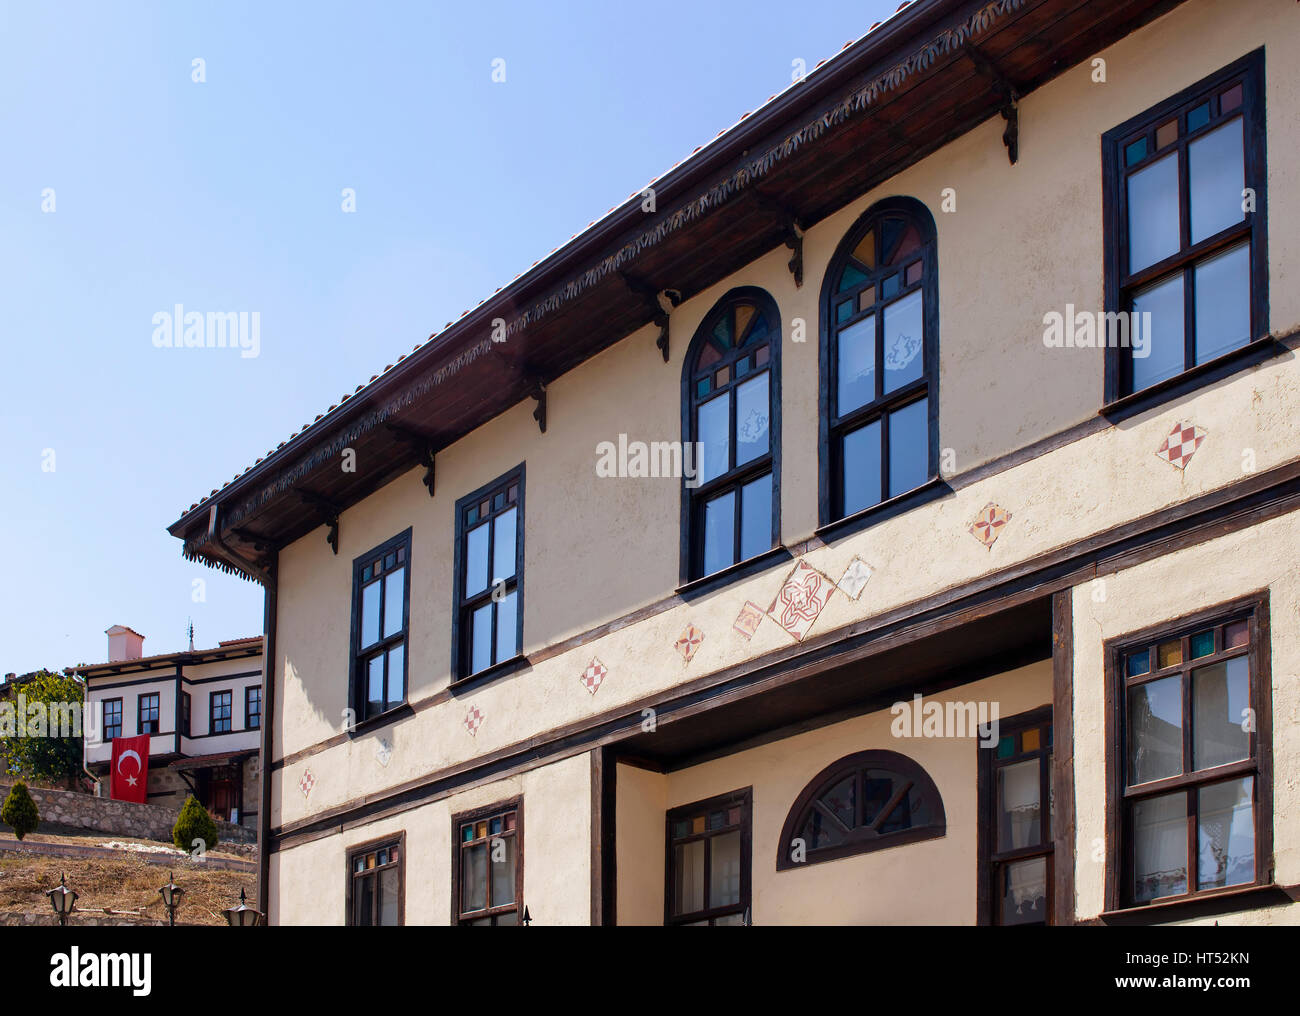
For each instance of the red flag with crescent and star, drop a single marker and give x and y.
(130, 769)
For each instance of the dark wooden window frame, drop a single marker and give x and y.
(861, 840)
(459, 917)
(833, 428)
(988, 897)
(462, 607)
(186, 713)
(105, 703)
(156, 709)
(397, 840)
(229, 704)
(735, 477)
(1260, 764)
(250, 692)
(357, 687)
(744, 799)
(1120, 400)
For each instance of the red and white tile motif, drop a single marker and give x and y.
(800, 601)
(473, 720)
(988, 524)
(1181, 444)
(689, 642)
(854, 578)
(306, 783)
(593, 676)
(748, 619)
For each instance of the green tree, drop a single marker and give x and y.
(45, 742)
(19, 811)
(194, 823)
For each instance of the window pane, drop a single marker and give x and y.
(1024, 891)
(363, 898)
(388, 898)
(878, 786)
(369, 614)
(473, 891)
(1153, 213)
(857, 366)
(1226, 834)
(841, 799)
(396, 682)
(719, 532)
(1163, 330)
(909, 447)
(1160, 847)
(820, 831)
(1216, 174)
(375, 685)
(724, 870)
(1220, 698)
(480, 646)
(394, 601)
(714, 431)
(1019, 805)
(688, 877)
(504, 545)
(476, 560)
(1155, 730)
(862, 468)
(507, 626)
(903, 332)
(756, 517)
(503, 870)
(1223, 303)
(752, 410)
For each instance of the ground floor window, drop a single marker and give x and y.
(709, 847)
(488, 865)
(376, 882)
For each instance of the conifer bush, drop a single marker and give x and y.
(194, 823)
(19, 811)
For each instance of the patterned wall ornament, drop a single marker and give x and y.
(988, 523)
(800, 601)
(383, 751)
(594, 676)
(1181, 445)
(473, 720)
(748, 619)
(306, 783)
(688, 643)
(854, 578)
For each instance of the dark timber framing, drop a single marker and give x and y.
(1064, 905)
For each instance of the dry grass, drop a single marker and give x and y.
(94, 839)
(125, 883)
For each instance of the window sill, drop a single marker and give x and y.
(510, 666)
(733, 573)
(1190, 380)
(933, 489)
(382, 720)
(1206, 904)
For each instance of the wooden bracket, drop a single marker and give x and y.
(1009, 94)
(661, 303)
(537, 391)
(423, 447)
(329, 515)
(792, 233)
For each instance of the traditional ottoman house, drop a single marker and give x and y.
(969, 595)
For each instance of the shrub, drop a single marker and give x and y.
(194, 823)
(19, 811)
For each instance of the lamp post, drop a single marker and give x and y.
(243, 916)
(63, 900)
(171, 895)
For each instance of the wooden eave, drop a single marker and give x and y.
(902, 92)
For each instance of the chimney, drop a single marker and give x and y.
(124, 644)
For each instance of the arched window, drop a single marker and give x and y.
(879, 361)
(867, 801)
(731, 390)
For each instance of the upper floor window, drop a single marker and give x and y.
(381, 590)
(253, 707)
(489, 619)
(879, 360)
(867, 801)
(112, 718)
(147, 713)
(219, 712)
(376, 883)
(731, 381)
(1185, 243)
(488, 866)
(709, 848)
(185, 713)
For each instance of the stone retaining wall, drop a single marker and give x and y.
(118, 818)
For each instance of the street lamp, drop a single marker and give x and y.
(242, 916)
(63, 900)
(171, 895)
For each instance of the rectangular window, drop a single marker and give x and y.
(708, 861)
(489, 618)
(112, 718)
(381, 593)
(219, 714)
(1190, 717)
(147, 714)
(488, 865)
(252, 707)
(1185, 231)
(185, 713)
(377, 883)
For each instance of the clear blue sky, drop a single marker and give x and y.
(226, 195)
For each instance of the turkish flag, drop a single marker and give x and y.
(130, 769)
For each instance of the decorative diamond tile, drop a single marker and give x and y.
(748, 619)
(306, 783)
(1181, 444)
(594, 675)
(854, 578)
(689, 642)
(988, 524)
(383, 751)
(473, 720)
(801, 600)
